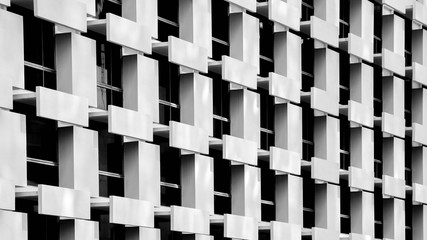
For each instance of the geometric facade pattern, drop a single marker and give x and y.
(212, 119)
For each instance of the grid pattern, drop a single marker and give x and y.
(212, 119)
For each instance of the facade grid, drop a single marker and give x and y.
(212, 119)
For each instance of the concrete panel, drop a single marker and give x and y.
(63, 202)
(287, 56)
(327, 139)
(78, 229)
(288, 127)
(239, 72)
(13, 148)
(129, 123)
(142, 233)
(143, 12)
(289, 199)
(325, 170)
(128, 33)
(246, 4)
(62, 107)
(361, 179)
(418, 73)
(132, 212)
(283, 87)
(419, 222)
(360, 47)
(284, 161)
(239, 150)
(240, 227)
(189, 220)
(394, 218)
(393, 125)
(362, 148)
(360, 114)
(187, 54)
(325, 234)
(419, 194)
(362, 215)
(187, 137)
(69, 13)
(327, 208)
(393, 62)
(393, 187)
(324, 101)
(324, 31)
(284, 13)
(280, 230)
(7, 195)
(13, 225)
(246, 191)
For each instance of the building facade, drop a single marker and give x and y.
(212, 119)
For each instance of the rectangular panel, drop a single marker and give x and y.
(63, 202)
(419, 193)
(133, 212)
(361, 179)
(143, 12)
(362, 214)
(142, 233)
(284, 13)
(70, 13)
(419, 133)
(362, 148)
(76, 66)
(187, 137)
(12, 57)
(127, 33)
(187, 54)
(288, 127)
(284, 161)
(360, 114)
(393, 62)
(140, 82)
(73, 229)
(327, 206)
(418, 73)
(197, 182)
(189, 220)
(393, 187)
(325, 234)
(324, 101)
(324, 31)
(398, 5)
(78, 159)
(13, 148)
(283, 87)
(236, 71)
(281, 230)
(129, 123)
(360, 47)
(327, 139)
(289, 199)
(141, 166)
(393, 125)
(287, 56)
(13, 225)
(324, 170)
(62, 107)
(239, 150)
(7, 195)
(247, 4)
(246, 191)
(240, 227)
(90, 7)
(394, 219)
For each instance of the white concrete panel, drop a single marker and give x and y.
(419, 133)
(327, 139)
(140, 81)
(189, 220)
(394, 219)
(419, 222)
(197, 182)
(284, 161)
(62, 107)
(393, 91)
(246, 191)
(393, 125)
(283, 87)
(128, 33)
(356, 236)
(398, 5)
(324, 170)
(360, 114)
(287, 56)
(143, 12)
(284, 13)
(288, 127)
(419, 194)
(244, 38)
(69, 13)
(7, 195)
(78, 159)
(239, 150)
(327, 207)
(394, 156)
(362, 215)
(90, 7)
(245, 117)
(324, 101)
(63, 202)
(280, 230)
(142, 233)
(289, 199)
(196, 101)
(246, 4)
(419, 165)
(13, 148)
(5, 3)
(418, 73)
(13, 225)
(362, 19)
(239, 72)
(393, 187)
(240, 227)
(327, 10)
(187, 54)
(187, 137)
(360, 47)
(76, 66)
(419, 46)
(361, 179)
(362, 148)
(12, 57)
(324, 31)
(129, 123)
(393, 62)
(141, 166)
(419, 12)
(78, 229)
(324, 234)
(132, 212)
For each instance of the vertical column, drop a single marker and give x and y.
(393, 42)
(361, 35)
(327, 216)
(143, 12)
(288, 199)
(393, 116)
(419, 57)
(362, 215)
(393, 218)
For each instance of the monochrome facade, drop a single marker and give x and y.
(212, 119)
